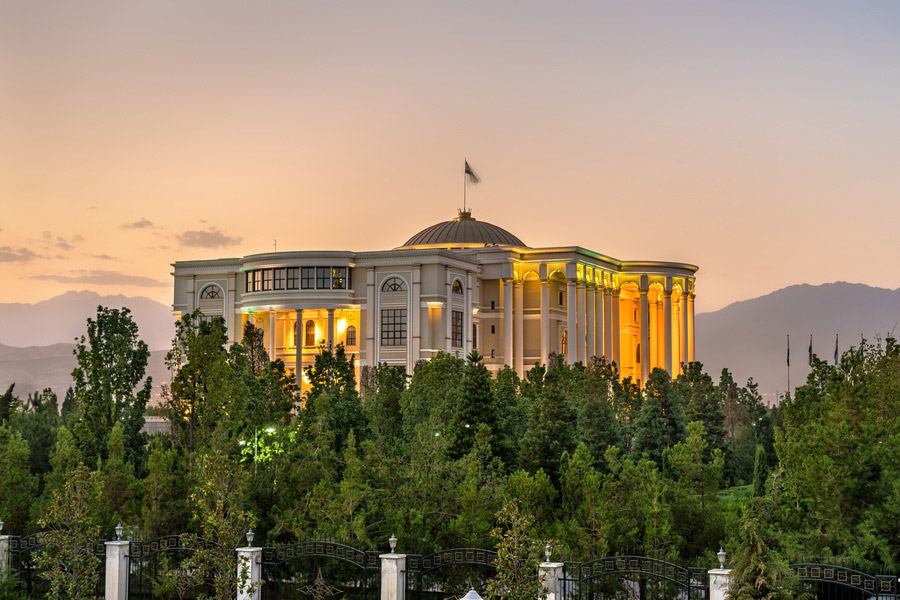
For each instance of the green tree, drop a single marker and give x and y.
(38, 422)
(15, 477)
(110, 385)
(475, 408)
(760, 472)
(8, 404)
(332, 399)
(119, 483)
(518, 557)
(759, 572)
(701, 401)
(382, 401)
(64, 459)
(165, 509)
(597, 425)
(551, 426)
(661, 423)
(257, 355)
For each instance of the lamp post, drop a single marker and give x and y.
(721, 556)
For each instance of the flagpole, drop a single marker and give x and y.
(465, 182)
(789, 362)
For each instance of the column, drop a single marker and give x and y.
(4, 556)
(508, 322)
(645, 339)
(690, 335)
(580, 322)
(571, 311)
(249, 566)
(414, 321)
(117, 570)
(330, 339)
(667, 346)
(598, 322)
(551, 575)
(545, 321)
(616, 337)
(370, 318)
(519, 317)
(446, 314)
(685, 337)
(298, 346)
(589, 324)
(607, 325)
(719, 583)
(653, 333)
(393, 576)
(468, 342)
(271, 335)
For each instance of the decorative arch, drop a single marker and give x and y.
(212, 291)
(310, 333)
(394, 284)
(529, 275)
(457, 287)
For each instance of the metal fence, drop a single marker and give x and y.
(834, 582)
(24, 568)
(161, 568)
(318, 570)
(632, 578)
(448, 574)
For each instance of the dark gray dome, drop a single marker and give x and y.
(463, 231)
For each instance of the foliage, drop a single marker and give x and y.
(518, 557)
(16, 478)
(661, 422)
(759, 572)
(476, 407)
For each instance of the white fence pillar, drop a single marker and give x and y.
(551, 578)
(4, 556)
(249, 569)
(719, 583)
(393, 576)
(117, 570)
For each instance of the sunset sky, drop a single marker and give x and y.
(759, 140)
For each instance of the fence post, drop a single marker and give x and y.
(249, 569)
(4, 556)
(393, 576)
(719, 583)
(551, 575)
(117, 570)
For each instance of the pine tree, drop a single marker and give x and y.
(698, 395)
(518, 558)
(17, 480)
(119, 483)
(64, 459)
(255, 347)
(8, 404)
(164, 509)
(475, 408)
(759, 572)
(760, 472)
(661, 423)
(551, 426)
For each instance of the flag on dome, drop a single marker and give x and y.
(473, 178)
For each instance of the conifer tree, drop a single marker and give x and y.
(64, 459)
(17, 480)
(8, 404)
(119, 483)
(476, 407)
(551, 426)
(519, 556)
(661, 422)
(698, 395)
(760, 472)
(165, 508)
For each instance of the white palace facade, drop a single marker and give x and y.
(457, 285)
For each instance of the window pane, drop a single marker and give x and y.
(323, 278)
(307, 281)
(351, 336)
(393, 327)
(456, 328)
(339, 278)
(266, 279)
(279, 279)
(293, 278)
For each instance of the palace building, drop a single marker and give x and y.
(454, 286)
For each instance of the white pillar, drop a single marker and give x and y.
(579, 322)
(685, 337)
(598, 322)
(298, 346)
(719, 583)
(508, 322)
(370, 317)
(653, 330)
(616, 337)
(117, 570)
(690, 335)
(551, 576)
(645, 339)
(545, 321)
(330, 339)
(4, 556)
(589, 324)
(271, 335)
(667, 324)
(571, 312)
(393, 576)
(249, 570)
(607, 325)
(519, 336)
(414, 321)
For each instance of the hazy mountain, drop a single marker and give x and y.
(750, 337)
(62, 318)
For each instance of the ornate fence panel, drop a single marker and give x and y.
(161, 568)
(833, 582)
(319, 570)
(23, 565)
(449, 574)
(632, 578)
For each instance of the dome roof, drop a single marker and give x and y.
(463, 231)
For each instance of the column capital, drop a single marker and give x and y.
(667, 293)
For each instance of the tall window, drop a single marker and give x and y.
(279, 279)
(393, 284)
(339, 278)
(637, 353)
(456, 328)
(293, 278)
(310, 334)
(266, 280)
(565, 342)
(351, 336)
(307, 278)
(210, 292)
(393, 327)
(323, 278)
(562, 299)
(457, 287)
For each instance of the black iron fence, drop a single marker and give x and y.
(449, 574)
(834, 582)
(162, 568)
(23, 565)
(319, 570)
(632, 578)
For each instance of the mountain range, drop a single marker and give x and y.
(747, 337)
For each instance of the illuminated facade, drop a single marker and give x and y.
(454, 286)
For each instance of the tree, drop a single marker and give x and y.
(332, 401)
(119, 483)
(760, 472)
(475, 408)
(701, 401)
(20, 485)
(256, 349)
(597, 425)
(165, 507)
(38, 423)
(382, 401)
(661, 422)
(518, 557)
(64, 459)
(758, 571)
(108, 385)
(8, 404)
(551, 426)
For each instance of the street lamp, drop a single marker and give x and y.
(392, 542)
(119, 530)
(250, 535)
(721, 556)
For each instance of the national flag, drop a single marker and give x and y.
(810, 349)
(472, 177)
(789, 351)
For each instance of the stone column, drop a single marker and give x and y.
(117, 570)
(599, 328)
(616, 338)
(4, 556)
(414, 320)
(545, 320)
(607, 325)
(519, 317)
(685, 336)
(551, 574)
(393, 576)
(508, 322)
(653, 329)
(571, 312)
(667, 345)
(579, 338)
(589, 324)
(299, 339)
(271, 335)
(691, 329)
(330, 335)
(370, 318)
(249, 571)
(719, 583)
(645, 339)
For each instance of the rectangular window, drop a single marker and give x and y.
(339, 278)
(266, 280)
(393, 327)
(493, 329)
(351, 336)
(256, 280)
(456, 328)
(279, 279)
(248, 281)
(562, 299)
(307, 278)
(323, 278)
(293, 278)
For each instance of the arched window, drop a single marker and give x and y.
(210, 292)
(351, 336)
(393, 284)
(310, 333)
(637, 353)
(457, 287)
(565, 342)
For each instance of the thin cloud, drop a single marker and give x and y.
(101, 277)
(143, 223)
(63, 244)
(104, 257)
(210, 238)
(21, 255)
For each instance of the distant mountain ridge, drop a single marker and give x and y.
(62, 319)
(750, 337)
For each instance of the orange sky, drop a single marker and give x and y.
(757, 140)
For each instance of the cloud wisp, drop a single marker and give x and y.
(19, 255)
(101, 277)
(142, 223)
(209, 238)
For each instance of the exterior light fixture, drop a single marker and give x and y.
(270, 430)
(547, 551)
(392, 542)
(119, 530)
(250, 535)
(1, 525)
(472, 595)
(721, 556)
